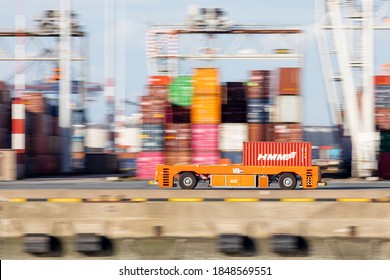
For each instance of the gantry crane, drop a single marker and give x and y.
(63, 26)
(166, 48)
(345, 34)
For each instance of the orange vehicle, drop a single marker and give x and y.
(253, 172)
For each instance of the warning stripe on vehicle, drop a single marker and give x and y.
(194, 199)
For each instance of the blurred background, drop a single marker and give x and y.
(119, 86)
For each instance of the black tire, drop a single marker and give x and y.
(287, 181)
(188, 180)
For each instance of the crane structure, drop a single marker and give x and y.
(52, 40)
(345, 35)
(209, 35)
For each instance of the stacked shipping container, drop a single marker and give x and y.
(288, 108)
(205, 116)
(206, 123)
(258, 104)
(382, 119)
(42, 136)
(153, 110)
(178, 128)
(234, 130)
(5, 117)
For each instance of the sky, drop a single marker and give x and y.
(133, 19)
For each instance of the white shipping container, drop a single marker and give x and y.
(78, 147)
(289, 109)
(96, 137)
(232, 136)
(130, 137)
(78, 130)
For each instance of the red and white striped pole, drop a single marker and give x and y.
(18, 134)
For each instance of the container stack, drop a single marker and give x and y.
(178, 143)
(5, 118)
(288, 104)
(178, 127)
(233, 130)
(258, 104)
(205, 116)
(382, 102)
(153, 114)
(42, 136)
(382, 119)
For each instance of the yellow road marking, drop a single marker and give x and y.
(17, 199)
(354, 199)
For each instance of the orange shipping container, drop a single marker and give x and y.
(206, 81)
(206, 110)
(382, 80)
(277, 154)
(159, 80)
(289, 81)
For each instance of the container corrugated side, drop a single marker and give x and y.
(146, 164)
(256, 132)
(181, 91)
(177, 137)
(289, 81)
(159, 80)
(277, 153)
(289, 109)
(129, 137)
(232, 135)
(206, 110)
(205, 157)
(204, 137)
(382, 80)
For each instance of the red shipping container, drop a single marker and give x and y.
(159, 80)
(384, 165)
(277, 153)
(382, 80)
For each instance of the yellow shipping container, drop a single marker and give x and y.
(206, 72)
(206, 109)
(206, 81)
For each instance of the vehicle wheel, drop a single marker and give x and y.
(287, 181)
(188, 180)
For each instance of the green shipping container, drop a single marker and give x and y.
(385, 141)
(180, 91)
